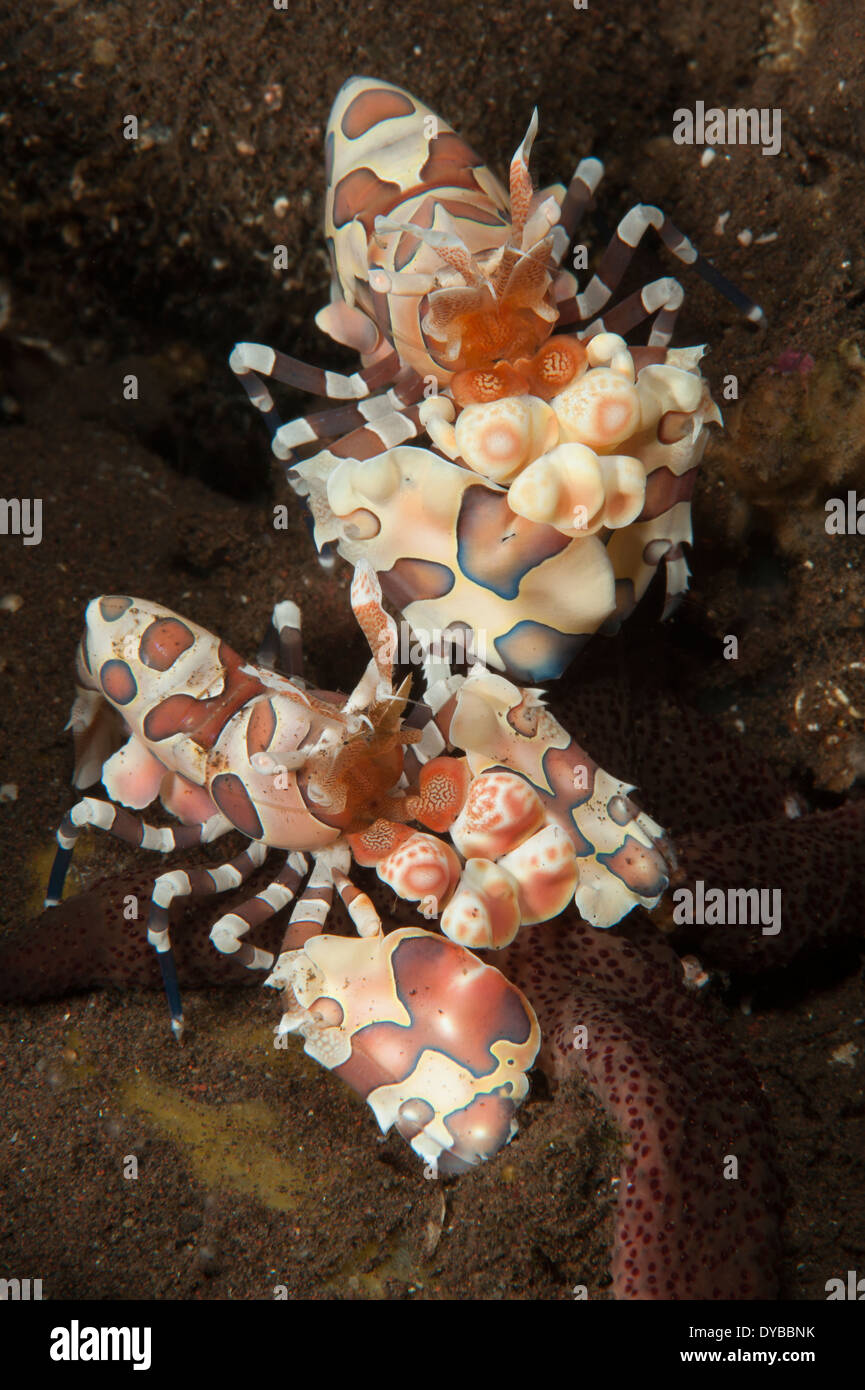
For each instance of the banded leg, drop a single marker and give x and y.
(358, 904)
(251, 362)
(396, 428)
(227, 931)
(184, 883)
(620, 252)
(309, 916)
(578, 199)
(315, 902)
(330, 424)
(123, 825)
(281, 649)
(399, 427)
(662, 298)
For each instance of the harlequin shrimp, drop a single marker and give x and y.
(166, 711)
(563, 461)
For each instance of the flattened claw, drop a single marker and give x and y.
(437, 1042)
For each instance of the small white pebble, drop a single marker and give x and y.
(280, 206)
(9, 791)
(10, 603)
(766, 238)
(273, 95)
(721, 223)
(845, 1055)
(745, 237)
(706, 158)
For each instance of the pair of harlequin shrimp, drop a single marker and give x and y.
(226, 745)
(559, 475)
